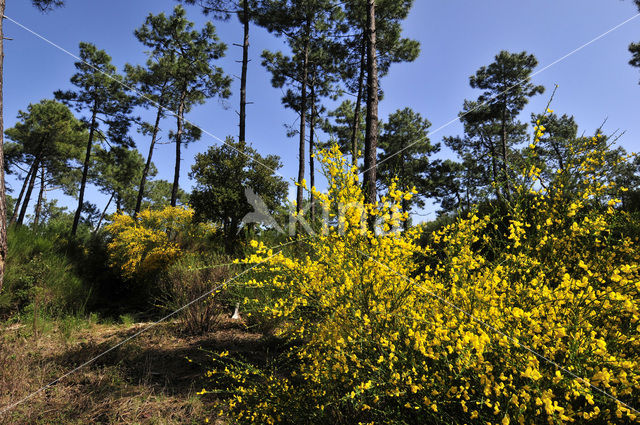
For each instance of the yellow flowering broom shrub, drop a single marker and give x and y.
(535, 321)
(144, 246)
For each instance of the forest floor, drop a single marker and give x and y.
(148, 380)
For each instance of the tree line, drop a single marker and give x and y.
(336, 50)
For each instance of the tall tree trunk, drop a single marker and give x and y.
(3, 203)
(27, 196)
(312, 177)
(147, 165)
(371, 139)
(303, 118)
(85, 171)
(104, 212)
(494, 167)
(179, 131)
(356, 115)
(245, 66)
(468, 194)
(36, 217)
(16, 208)
(503, 137)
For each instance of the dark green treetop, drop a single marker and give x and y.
(407, 132)
(222, 174)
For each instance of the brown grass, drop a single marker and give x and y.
(146, 381)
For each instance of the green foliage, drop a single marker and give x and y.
(187, 55)
(185, 62)
(488, 150)
(341, 129)
(157, 195)
(100, 92)
(38, 270)
(102, 96)
(634, 48)
(222, 175)
(47, 5)
(392, 47)
(405, 137)
(554, 147)
(506, 84)
(222, 9)
(113, 172)
(48, 143)
(127, 320)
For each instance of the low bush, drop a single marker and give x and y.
(186, 281)
(141, 248)
(40, 276)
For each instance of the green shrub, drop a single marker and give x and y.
(127, 319)
(38, 272)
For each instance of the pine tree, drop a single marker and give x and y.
(406, 132)
(194, 77)
(481, 144)
(49, 139)
(634, 48)
(553, 148)
(390, 45)
(154, 82)
(102, 95)
(44, 6)
(47, 5)
(310, 72)
(113, 171)
(506, 89)
(243, 9)
(339, 125)
(371, 132)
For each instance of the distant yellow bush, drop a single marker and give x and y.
(522, 318)
(148, 244)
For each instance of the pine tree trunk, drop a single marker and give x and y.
(468, 194)
(371, 139)
(147, 165)
(505, 173)
(494, 167)
(356, 116)
(85, 171)
(27, 196)
(16, 208)
(3, 203)
(245, 66)
(179, 132)
(36, 217)
(303, 120)
(312, 177)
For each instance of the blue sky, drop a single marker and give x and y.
(457, 37)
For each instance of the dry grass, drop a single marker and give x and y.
(146, 381)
